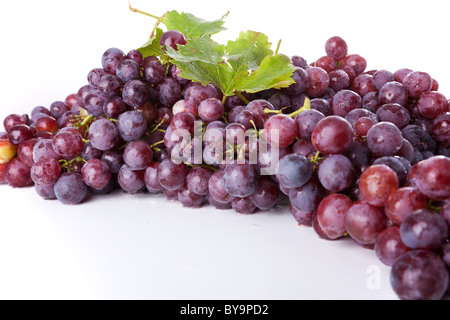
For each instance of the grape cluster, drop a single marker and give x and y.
(368, 159)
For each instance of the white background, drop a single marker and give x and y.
(143, 247)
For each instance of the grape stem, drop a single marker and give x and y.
(278, 47)
(241, 96)
(432, 207)
(67, 164)
(306, 106)
(160, 19)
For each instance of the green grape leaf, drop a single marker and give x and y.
(274, 72)
(153, 47)
(191, 26)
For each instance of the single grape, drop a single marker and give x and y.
(211, 110)
(417, 83)
(301, 79)
(7, 151)
(403, 203)
(137, 155)
(45, 172)
(17, 174)
(58, 108)
(13, 120)
(419, 275)
(94, 102)
(384, 139)
(20, 133)
(197, 180)
(365, 222)
(336, 48)
(400, 74)
(381, 77)
(131, 181)
(419, 138)
(67, 144)
(394, 113)
(322, 106)
(363, 125)
(154, 71)
(432, 104)
(243, 206)
(132, 125)
(345, 101)
(304, 148)
(185, 106)
(135, 93)
(363, 85)
(433, 178)
(331, 215)
(169, 91)
(109, 85)
(257, 107)
(196, 92)
(111, 59)
(299, 62)
(172, 176)
(318, 82)
(46, 192)
(96, 174)
(332, 135)
(356, 62)
(172, 38)
(266, 194)
(151, 178)
(103, 134)
(280, 130)
(70, 188)
(336, 173)
(376, 184)
(190, 199)
(400, 167)
(114, 159)
(307, 197)
(326, 63)
(303, 218)
(306, 122)
(25, 152)
(136, 56)
(389, 246)
(294, 171)
(393, 92)
(240, 180)
(424, 229)
(128, 70)
(217, 189)
(339, 80)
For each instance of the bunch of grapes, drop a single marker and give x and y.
(367, 159)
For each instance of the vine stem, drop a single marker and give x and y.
(160, 19)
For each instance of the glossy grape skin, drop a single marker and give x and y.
(381, 77)
(400, 74)
(135, 93)
(332, 135)
(303, 218)
(336, 173)
(172, 38)
(25, 152)
(131, 181)
(19, 133)
(189, 199)
(67, 144)
(363, 85)
(389, 246)
(331, 215)
(345, 101)
(243, 206)
(419, 275)
(45, 172)
(284, 126)
(196, 92)
(393, 92)
(376, 184)
(211, 110)
(58, 108)
(137, 155)
(364, 222)
(402, 203)
(169, 91)
(424, 229)
(339, 80)
(46, 192)
(94, 102)
(103, 134)
(197, 180)
(432, 104)
(299, 62)
(394, 113)
(336, 48)
(294, 171)
(300, 77)
(433, 178)
(240, 180)
(154, 71)
(17, 174)
(217, 188)
(356, 62)
(419, 138)
(322, 106)
(306, 122)
(136, 56)
(96, 174)
(111, 59)
(307, 197)
(70, 188)
(132, 125)
(172, 176)
(266, 194)
(44, 149)
(318, 82)
(384, 139)
(109, 85)
(128, 70)
(417, 83)
(151, 178)
(257, 107)
(13, 120)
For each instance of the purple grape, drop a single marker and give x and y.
(419, 275)
(243, 206)
(266, 195)
(294, 171)
(394, 113)
(94, 102)
(280, 131)
(301, 83)
(217, 189)
(356, 62)
(364, 222)
(114, 107)
(257, 107)
(303, 218)
(417, 83)
(240, 180)
(89, 152)
(43, 149)
(196, 92)
(384, 139)
(111, 59)
(331, 215)
(339, 80)
(172, 176)
(280, 100)
(131, 181)
(307, 197)
(109, 85)
(70, 188)
(114, 159)
(318, 82)
(136, 56)
(135, 93)
(336, 48)
(419, 138)
(363, 85)
(128, 70)
(25, 152)
(336, 173)
(381, 77)
(154, 71)
(354, 115)
(393, 92)
(16, 174)
(433, 178)
(173, 38)
(332, 135)
(432, 104)
(190, 199)
(299, 62)
(321, 105)
(370, 102)
(20, 133)
(96, 174)
(46, 193)
(58, 108)
(132, 125)
(389, 246)
(197, 180)
(67, 144)
(169, 91)
(211, 110)
(151, 178)
(45, 172)
(103, 134)
(306, 122)
(137, 155)
(400, 74)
